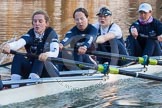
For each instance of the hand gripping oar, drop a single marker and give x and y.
(145, 60)
(51, 69)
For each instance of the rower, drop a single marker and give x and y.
(87, 35)
(109, 38)
(145, 34)
(40, 40)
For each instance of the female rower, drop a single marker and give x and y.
(40, 40)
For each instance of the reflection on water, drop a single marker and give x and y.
(16, 14)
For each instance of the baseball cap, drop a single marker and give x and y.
(145, 7)
(104, 11)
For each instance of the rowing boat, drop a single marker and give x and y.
(55, 85)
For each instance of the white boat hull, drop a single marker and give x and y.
(39, 90)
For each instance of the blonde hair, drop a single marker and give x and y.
(42, 12)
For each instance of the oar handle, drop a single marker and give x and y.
(24, 54)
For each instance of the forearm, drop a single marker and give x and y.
(104, 38)
(68, 38)
(17, 44)
(89, 41)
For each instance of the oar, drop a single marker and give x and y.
(103, 68)
(145, 60)
(48, 80)
(156, 57)
(53, 79)
(5, 64)
(51, 69)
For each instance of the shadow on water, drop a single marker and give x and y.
(126, 93)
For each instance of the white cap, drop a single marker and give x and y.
(145, 7)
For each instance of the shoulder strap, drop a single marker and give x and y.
(110, 27)
(47, 32)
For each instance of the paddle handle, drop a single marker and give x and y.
(24, 54)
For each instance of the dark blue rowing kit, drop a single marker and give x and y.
(146, 42)
(23, 66)
(77, 38)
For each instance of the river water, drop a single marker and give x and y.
(16, 14)
(135, 93)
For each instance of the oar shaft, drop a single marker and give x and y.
(72, 63)
(54, 79)
(159, 63)
(24, 54)
(141, 60)
(108, 55)
(139, 75)
(6, 64)
(113, 55)
(65, 61)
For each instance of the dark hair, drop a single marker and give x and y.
(83, 10)
(41, 12)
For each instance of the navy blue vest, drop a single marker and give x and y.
(36, 45)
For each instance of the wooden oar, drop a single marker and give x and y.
(145, 60)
